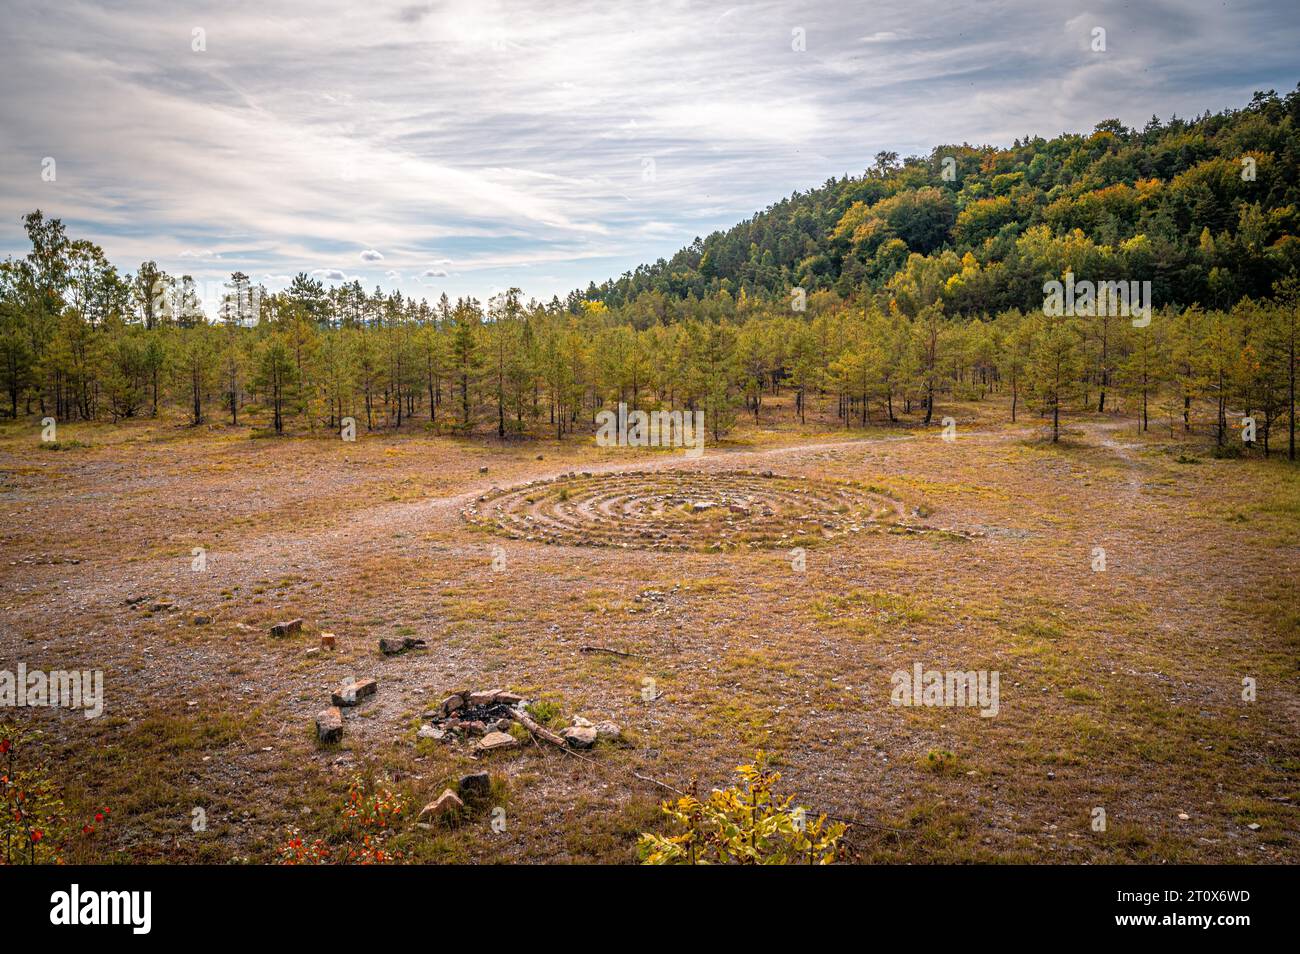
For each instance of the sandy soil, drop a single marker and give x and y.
(1119, 688)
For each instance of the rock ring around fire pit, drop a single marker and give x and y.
(488, 716)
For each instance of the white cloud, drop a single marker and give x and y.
(508, 136)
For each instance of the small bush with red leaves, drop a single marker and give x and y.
(371, 813)
(35, 827)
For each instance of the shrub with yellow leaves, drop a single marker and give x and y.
(748, 824)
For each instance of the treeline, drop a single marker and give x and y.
(918, 282)
(79, 341)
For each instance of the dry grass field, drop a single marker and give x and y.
(1121, 688)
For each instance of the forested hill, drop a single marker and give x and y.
(1205, 208)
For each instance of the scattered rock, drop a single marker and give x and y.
(476, 787)
(608, 730)
(446, 804)
(483, 698)
(496, 740)
(579, 737)
(453, 702)
(507, 698)
(351, 693)
(292, 628)
(314, 651)
(582, 723)
(482, 470)
(202, 620)
(161, 607)
(1183, 816)
(136, 600)
(391, 647)
(430, 732)
(1253, 826)
(329, 725)
(328, 641)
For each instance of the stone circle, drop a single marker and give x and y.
(685, 510)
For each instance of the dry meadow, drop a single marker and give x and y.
(1120, 687)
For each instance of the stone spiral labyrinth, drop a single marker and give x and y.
(686, 510)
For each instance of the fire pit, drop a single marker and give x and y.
(489, 715)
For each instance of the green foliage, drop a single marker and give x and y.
(1137, 198)
(746, 824)
(35, 826)
(902, 288)
(546, 713)
(941, 762)
(369, 818)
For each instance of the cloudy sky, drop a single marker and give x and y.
(470, 146)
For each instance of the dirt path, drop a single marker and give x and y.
(1110, 679)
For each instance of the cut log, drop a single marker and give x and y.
(291, 628)
(329, 725)
(539, 731)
